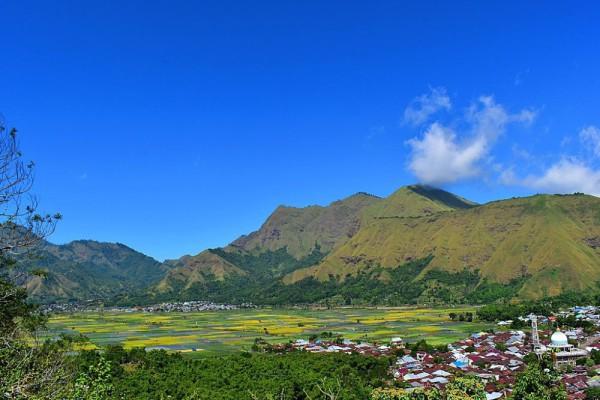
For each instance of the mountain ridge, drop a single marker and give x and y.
(298, 231)
(486, 238)
(526, 247)
(88, 269)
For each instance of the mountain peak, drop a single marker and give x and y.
(363, 194)
(443, 196)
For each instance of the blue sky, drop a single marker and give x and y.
(172, 127)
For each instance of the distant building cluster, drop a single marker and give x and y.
(345, 346)
(186, 306)
(190, 306)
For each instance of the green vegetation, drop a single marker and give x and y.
(137, 374)
(462, 388)
(535, 383)
(540, 246)
(222, 332)
(592, 393)
(86, 269)
(544, 306)
(271, 264)
(411, 283)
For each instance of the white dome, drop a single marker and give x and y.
(559, 339)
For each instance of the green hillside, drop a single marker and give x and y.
(550, 240)
(418, 245)
(299, 229)
(288, 236)
(190, 270)
(294, 238)
(87, 269)
(414, 201)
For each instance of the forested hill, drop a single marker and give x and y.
(86, 269)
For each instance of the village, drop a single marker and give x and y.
(184, 306)
(494, 357)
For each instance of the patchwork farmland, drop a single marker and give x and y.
(203, 333)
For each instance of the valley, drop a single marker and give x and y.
(299, 200)
(229, 331)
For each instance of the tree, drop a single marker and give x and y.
(95, 383)
(535, 383)
(27, 371)
(469, 316)
(21, 228)
(465, 388)
(462, 388)
(592, 393)
(402, 394)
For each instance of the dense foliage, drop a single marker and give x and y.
(270, 264)
(406, 284)
(463, 388)
(537, 383)
(137, 374)
(86, 269)
(545, 306)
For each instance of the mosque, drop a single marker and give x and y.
(563, 353)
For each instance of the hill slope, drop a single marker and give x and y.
(298, 229)
(414, 201)
(551, 241)
(288, 236)
(420, 244)
(293, 238)
(87, 269)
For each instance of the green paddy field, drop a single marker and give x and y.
(226, 331)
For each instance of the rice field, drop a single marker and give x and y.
(234, 330)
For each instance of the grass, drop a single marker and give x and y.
(543, 236)
(229, 331)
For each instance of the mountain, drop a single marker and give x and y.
(418, 245)
(288, 238)
(414, 201)
(552, 242)
(293, 238)
(298, 229)
(196, 269)
(86, 269)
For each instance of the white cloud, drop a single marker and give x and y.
(489, 119)
(566, 176)
(569, 174)
(439, 158)
(590, 136)
(424, 106)
(442, 156)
